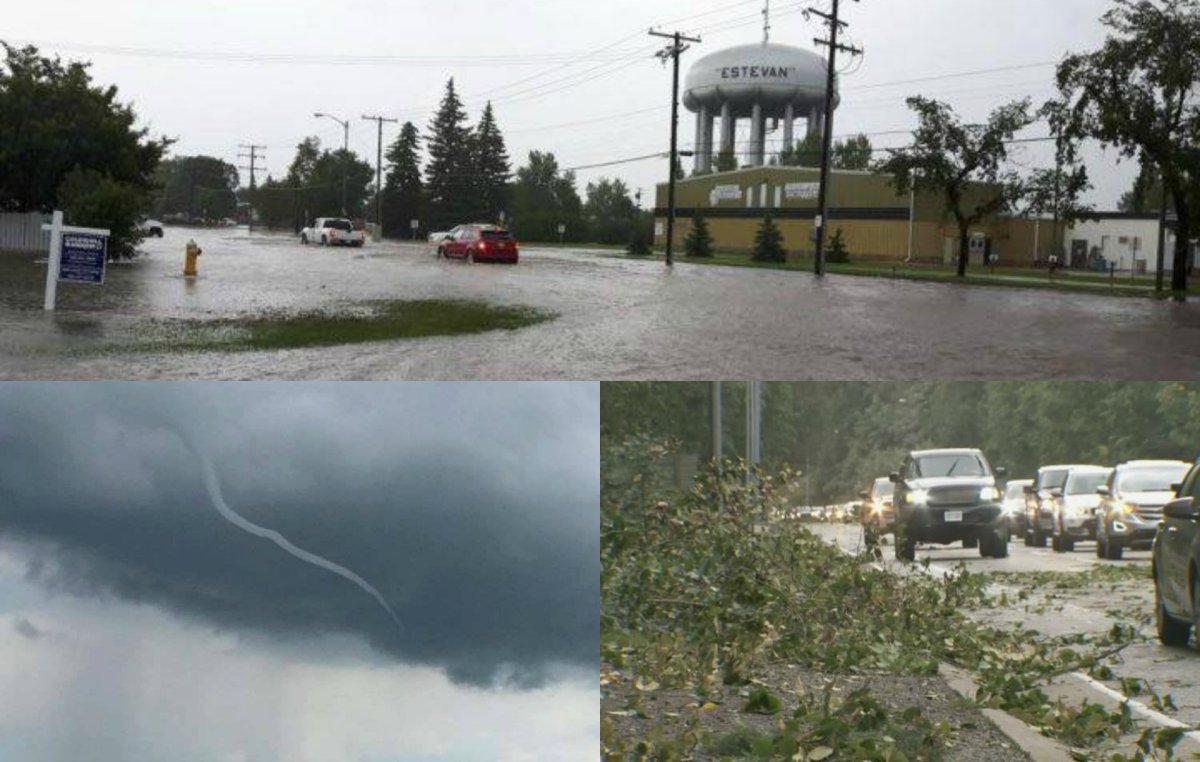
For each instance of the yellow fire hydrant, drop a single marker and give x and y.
(192, 252)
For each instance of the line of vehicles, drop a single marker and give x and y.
(474, 242)
(955, 495)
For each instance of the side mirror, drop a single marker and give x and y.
(1056, 492)
(1175, 488)
(1103, 491)
(864, 494)
(1000, 472)
(894, 477)
(1183, 508)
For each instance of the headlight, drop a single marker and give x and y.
(989, 494)
(876, 508)
(916, 497)
(1126, 509)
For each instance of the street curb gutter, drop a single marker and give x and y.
(1036, 745)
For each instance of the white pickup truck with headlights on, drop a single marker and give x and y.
(332, 231)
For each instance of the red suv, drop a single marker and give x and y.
(483, 243)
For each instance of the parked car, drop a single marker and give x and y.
(1131, 504)
(1014, 505)
(1074, 506)
(878, 514)
(439, 236)
(1039, 511)
(332, 231)
(947, 496)
(479, 243)
(1175, 564)
(151, 228)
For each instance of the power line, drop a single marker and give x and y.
(379, 120)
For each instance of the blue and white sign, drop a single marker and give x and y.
(76, 255)
(82, 258)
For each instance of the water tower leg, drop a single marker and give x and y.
(756, 136)
(814, 122)
(707, 146)
(789, 126)
(698, 145)
(727, 130)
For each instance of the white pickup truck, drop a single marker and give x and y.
(332, 231)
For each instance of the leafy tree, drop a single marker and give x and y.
(544, 198)
(1146, 193)
(725, 162)
(403, 190)
(768, 243)
(93, 199)
(609, 211)
(964, 163)
(200, 187)
(699, 242)
(852, 153)
(492, 167)
(57, 126)
(1059, 191)
(1137, 94)
(313, 187)
(838, 253)
(449, 175)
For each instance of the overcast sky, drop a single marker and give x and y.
(544, 65)
(471, 508)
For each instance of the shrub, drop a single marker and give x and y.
(768, 243)
(699, 242)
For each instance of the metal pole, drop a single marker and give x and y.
(1162, 240)
(345, 161)
(379, 181)
(53, 259)
(912, 206)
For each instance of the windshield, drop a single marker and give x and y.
(1157, 479)
(1014, 490)
(496, 235)
(339, 224)
(1082, 484)
(883, 488)
(950, 464)
(1054, 479)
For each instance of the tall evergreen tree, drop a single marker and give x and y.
(492, 170)
(403, 189)
(449, 174)
(768, 243)
(699, 242)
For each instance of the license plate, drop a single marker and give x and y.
(953, 516)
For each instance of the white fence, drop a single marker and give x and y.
(23, 232)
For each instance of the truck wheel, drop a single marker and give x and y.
(303, 240)
(970, 542)
(1027, 536)
(470, 257)
(324, 241)
(1171, 631)
(1039, 538)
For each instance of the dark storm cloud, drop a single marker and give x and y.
(473, 508)
(27, 629)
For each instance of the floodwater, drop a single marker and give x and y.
(618, 319)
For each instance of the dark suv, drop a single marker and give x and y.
(1175, 560)
(947, 496)
(1039, 506)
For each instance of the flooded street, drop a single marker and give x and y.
(617, 319)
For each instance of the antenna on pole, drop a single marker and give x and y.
(766, 21)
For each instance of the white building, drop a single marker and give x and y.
(1124, 239)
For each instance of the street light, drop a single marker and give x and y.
(345, 150)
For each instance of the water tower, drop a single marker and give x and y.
(759, 81)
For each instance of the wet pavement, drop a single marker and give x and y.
(617, 319)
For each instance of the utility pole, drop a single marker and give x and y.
(253, 156)
(379, 120)
(673, 52)
(836, 25)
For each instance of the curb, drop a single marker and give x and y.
(1033, 743)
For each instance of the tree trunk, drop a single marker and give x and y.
(964, 248)
(1183, 234)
